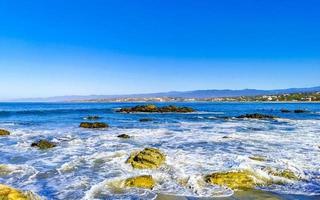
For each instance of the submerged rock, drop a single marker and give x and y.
(145, 120)
(9, 193)
(285, 173)
(154, 109)
(92, 117)
(256, 116)
(285, 111)
(43, 144)
(4, 132)
(300, 111)
(257, 158)
(149, 158)
(242, 180)
(144, 181)
(93, 125)
(125, 136)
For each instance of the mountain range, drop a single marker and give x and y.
(183, 94)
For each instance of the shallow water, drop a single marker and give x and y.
(86, 163)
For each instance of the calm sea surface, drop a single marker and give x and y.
(86, 162)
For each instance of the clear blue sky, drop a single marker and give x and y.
(61, 47)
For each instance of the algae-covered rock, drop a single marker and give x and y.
(9, 193)
(93, 125)
(256, 116)
(149, 158)
(144, 181)
(124, 136)
(43, 144)
(4, 132)
(4, 170)
(235, 179)
(154, 109)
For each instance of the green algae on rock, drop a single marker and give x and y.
(150, 108)
(124, 136)
(43, 144)
(94, 125)
(9, 193)
(149, 158)
(242, 180)
(4, 132)
(256, 116)
(144, 181)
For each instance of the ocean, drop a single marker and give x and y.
(86, 163)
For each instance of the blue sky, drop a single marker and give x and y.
(50, 48)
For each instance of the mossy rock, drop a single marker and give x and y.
(124, 136)
(145, 181)
(149, 158)
(93, 125)
(4, 132)
(43, 144)
(92, 117)
(256, 116)
(145, 120)
(242, 180)
(9, 193)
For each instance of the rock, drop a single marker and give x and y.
(286, 173)
(93, 125)
(43, 144)
(225, 137)
(300, 111)
(256, 116)
(92, 117)
(125, 136)
(9, 193)
(257, 158)
(149, 158)
(242, 180)
(285, 111)
(154, 109)
(144, 181)
(145, 120)
(4, 132)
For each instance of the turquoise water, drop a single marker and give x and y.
(86, 162)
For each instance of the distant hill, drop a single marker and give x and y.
(185, 94)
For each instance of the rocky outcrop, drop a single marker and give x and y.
(149, 158)
(256, 116)
(284, 173)
(154, 109)
(242, 180)
(144, 181)
(93, 125)
(257, 158)
(9, 193)
(43, 144)
(145, 120)
(4, 132)
(124, 136)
